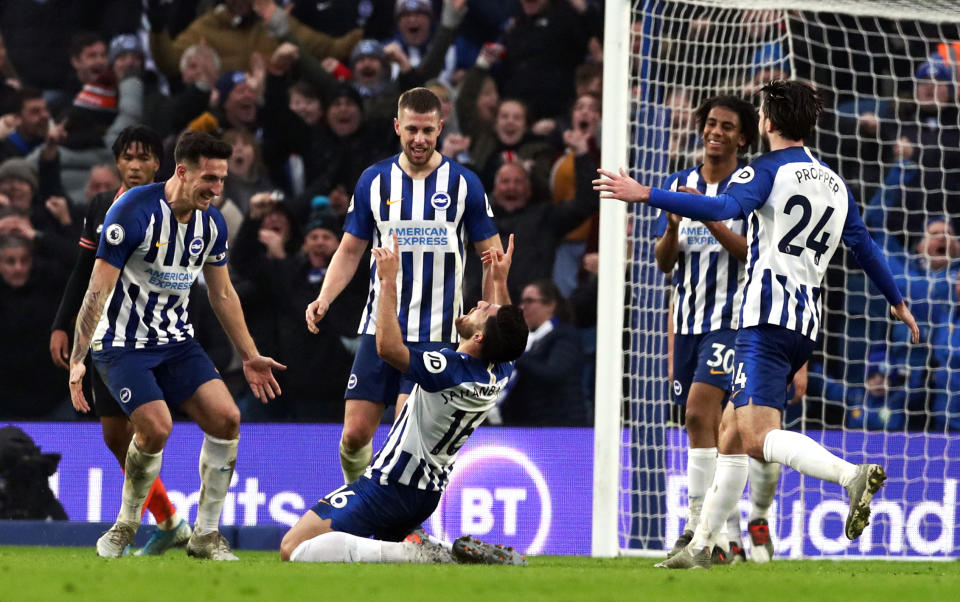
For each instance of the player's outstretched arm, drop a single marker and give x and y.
(498, 264)
(695, 206)
(343, 265)
(257, 369)
(102, 281)
(390, 345)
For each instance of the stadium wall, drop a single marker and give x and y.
(530, 488)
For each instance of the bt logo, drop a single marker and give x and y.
(496, 492)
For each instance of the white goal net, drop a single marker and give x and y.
(888, 72)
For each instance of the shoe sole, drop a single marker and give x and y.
(473, 551)
(860, 511)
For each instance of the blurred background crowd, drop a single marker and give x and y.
(306, 92)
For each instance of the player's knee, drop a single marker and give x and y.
(355, 438)
(287, 546)
(226, 424)
(753, 444)
(154, 432)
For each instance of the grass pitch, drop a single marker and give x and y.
(31, 573)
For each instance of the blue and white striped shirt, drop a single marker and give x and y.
(434, 218)
(159, 259)
(453, 393)
(707, 279)
(798, 210)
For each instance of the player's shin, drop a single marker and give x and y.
(140, 471)
(336, 546)
(806, 456)
(701, 465)
(763, 486)
(218, 458)
(721, 498)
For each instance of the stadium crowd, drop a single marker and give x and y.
(306, 92)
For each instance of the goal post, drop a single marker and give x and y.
(870, 394)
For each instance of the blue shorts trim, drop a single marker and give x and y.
(702, 358)
(171, 373)
(767, 357)
(373, 379)
(366, 508)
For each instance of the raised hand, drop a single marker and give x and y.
(499, 261)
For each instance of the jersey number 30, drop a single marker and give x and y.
(816, 240)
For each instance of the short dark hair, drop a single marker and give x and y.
(82, 40)
(305, 88)
(504, 335)
(744, 110)
(27, 93)
(193, 145)
(419, 100)
(146, 137)
(15, 240)
(792, 107)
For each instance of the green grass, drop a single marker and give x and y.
(30, 573)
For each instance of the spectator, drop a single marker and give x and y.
(238, 28)
(545, 389)
(339, 17)
(237, 93)
(372, 72)
(103, 178)
(546, 42)
(585, 119)
(926, 132)
(247, 175)
(540, 225)
(199, 72)
(34, 119)
(478, 99)
(415, 33)
(88, 57)
(275, 279)
(50, 226)
(343, 149)
(89, 128)
(7, 72)
(29, 294)
(511, 140)
(945, 340)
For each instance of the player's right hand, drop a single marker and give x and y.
(77, 370)
(621, 187)
(315, 312)
(901, 312)
(60, 348)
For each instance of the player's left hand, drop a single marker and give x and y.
(258, 371)
(499, 261)
(620, 186)
(799, 384)
(388, 262)
(902, 313)
(77, 370)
